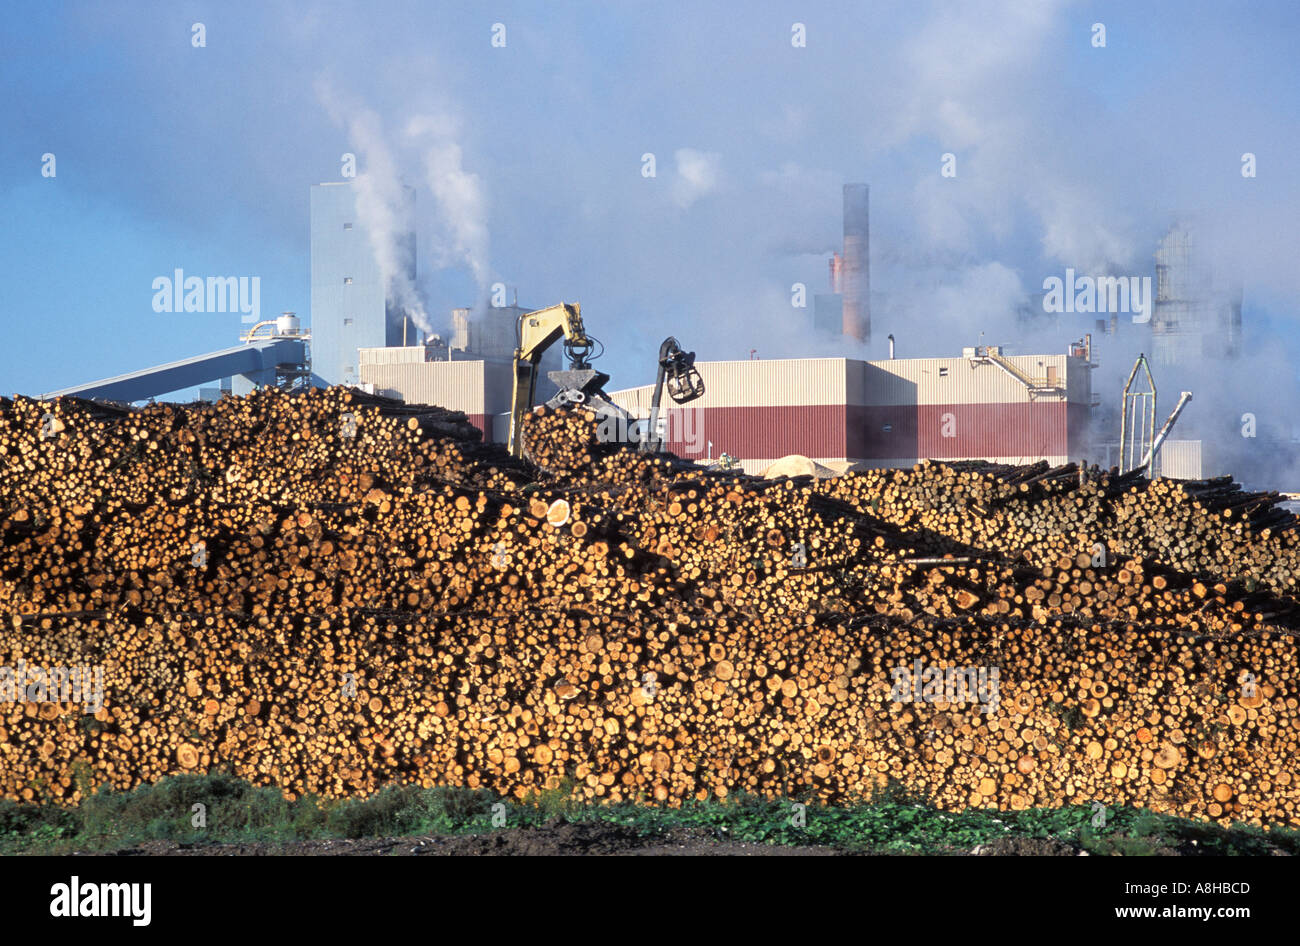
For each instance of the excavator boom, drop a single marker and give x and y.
(580, 384)
(536, 332)
(676, 370)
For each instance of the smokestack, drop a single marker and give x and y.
(837, 272)
(856, 277)
(891, 347)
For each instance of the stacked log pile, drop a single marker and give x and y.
(329, 592)
(1210, 526)
(565, 443)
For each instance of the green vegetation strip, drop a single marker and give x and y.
(891, 822)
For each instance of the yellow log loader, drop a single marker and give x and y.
(581, 385)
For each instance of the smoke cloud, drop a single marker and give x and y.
(460, 207)
(459, 194)
(382, 207)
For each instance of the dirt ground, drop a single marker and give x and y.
(559, 838)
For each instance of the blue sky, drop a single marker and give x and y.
(527, 163)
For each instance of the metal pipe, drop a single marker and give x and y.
(891, 347)
(653, 443)
(856, 272)
(1149, 461)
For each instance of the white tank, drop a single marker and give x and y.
(287, 324)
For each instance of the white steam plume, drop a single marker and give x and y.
(382, 207)
(462, 206)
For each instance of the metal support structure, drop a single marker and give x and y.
(1137, 426)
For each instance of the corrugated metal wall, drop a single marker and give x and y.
(1078, 381)
(481, 389)
(1079, 418)
(952, 380)
(407, 355)
(500, 427)
(455, 385)
(958, 431)
(497, 387)
(821, 381)
(777, 383)
(890, 463)
(635, 401)
(951, 408)
(747, 432)
(1180, 459)
(351, 314)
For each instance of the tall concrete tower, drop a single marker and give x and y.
(855, 268)
(350, 308)
(1197, 311)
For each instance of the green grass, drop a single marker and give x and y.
(891, 822)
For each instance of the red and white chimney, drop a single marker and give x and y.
(855, 269)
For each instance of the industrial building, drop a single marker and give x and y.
(360, 335)
(350, 308)
(843, 412)
(478, 387)
(1196, 314)
(837, 411)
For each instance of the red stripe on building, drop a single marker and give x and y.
(757, 432)
(939, 431)
(953, 431)
(882, 432)
(956, 431)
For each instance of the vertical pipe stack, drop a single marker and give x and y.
(856, 265)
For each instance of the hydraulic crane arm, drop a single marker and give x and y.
(540, 330)
(536, 332)
(677, 369)
(580, 385)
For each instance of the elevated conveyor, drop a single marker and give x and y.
(258, 362)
